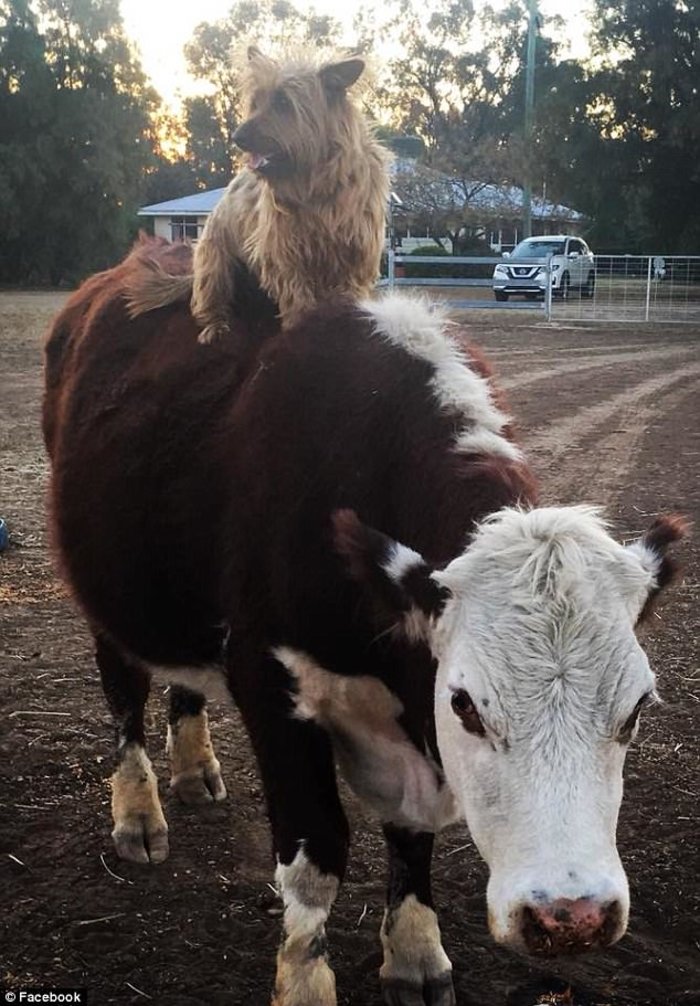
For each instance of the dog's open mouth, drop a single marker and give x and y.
(258, 162)
(273, 164)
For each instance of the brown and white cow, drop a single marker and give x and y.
(343, 537)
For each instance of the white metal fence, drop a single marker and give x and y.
(475, 283)
(653, 288)
(638, 288)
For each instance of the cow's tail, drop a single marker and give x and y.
(150, 287)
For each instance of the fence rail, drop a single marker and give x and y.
(639, 288)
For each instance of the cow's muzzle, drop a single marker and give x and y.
(567, 926)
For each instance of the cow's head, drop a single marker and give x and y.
(540, 684)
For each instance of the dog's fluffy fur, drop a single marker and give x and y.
(306, 214)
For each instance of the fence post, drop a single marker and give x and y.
(646, 309)
(548, 291)
(390, 267)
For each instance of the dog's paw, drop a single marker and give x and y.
(212, 333)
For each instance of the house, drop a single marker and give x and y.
(425, 205)
(460, 210)
(182, 219)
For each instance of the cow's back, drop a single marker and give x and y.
(131, 410)
(186, 499)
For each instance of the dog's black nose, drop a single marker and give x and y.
(242, 137)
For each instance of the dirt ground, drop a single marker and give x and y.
(608, 414)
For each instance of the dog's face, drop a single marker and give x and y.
(293, 115)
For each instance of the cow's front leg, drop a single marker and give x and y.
(195, 773)
(309, 828)
(140, 830)
(416, 970)
(304, 977)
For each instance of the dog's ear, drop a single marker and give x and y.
(340, 76)
(256, 56)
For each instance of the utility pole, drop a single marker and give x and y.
(529, 109)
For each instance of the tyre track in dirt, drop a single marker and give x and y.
(573, 460)
(522, 380)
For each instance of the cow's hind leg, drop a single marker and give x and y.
(416, 970)
(309, 829)
(195, 773)
(140, 830)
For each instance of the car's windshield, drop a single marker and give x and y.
(538, 249)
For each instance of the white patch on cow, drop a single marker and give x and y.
(303, 975)
(414, 623)
(307, 894)
(380, 763)
(208, 680)
(423, 332)
(412, 944)
(538, 630)
(401, 560)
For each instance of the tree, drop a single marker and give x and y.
(456, 85)
(647, 88)
(76, 138)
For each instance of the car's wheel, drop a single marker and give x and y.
(589, 288)
(500, 295)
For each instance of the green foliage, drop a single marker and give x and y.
(616, 139)
(75, 139)
(648, 85)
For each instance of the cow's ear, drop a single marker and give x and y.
(398, 580)
(652, 551)
(341, 76)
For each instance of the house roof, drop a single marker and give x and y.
(425, 190)
(199, 203)
(203, 202)
(418, 188)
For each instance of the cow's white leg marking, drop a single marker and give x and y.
(140, 830)
(303, 975)
(413, 953)
(195, 770)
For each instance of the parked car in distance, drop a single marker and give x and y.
(572, 268)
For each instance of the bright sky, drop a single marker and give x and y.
(161, 28)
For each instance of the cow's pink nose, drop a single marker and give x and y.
(568, 927)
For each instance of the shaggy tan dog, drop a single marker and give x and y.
(306, 214)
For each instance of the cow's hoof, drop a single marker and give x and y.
(201, 785)
(137, 842)
(433, 992)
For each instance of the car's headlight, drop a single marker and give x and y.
(500, 270)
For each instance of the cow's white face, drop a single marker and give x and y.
(539, 685)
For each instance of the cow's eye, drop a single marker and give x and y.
(629, 727)
(465, 709)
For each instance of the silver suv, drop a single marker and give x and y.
(572, 265)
